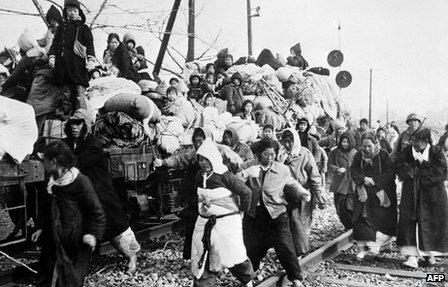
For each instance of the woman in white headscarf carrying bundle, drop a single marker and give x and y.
(218, 234)
(303, 168)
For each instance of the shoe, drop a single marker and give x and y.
(248, 284)
(132, 265)
(412, 262)
(431, 260)
(360, 256)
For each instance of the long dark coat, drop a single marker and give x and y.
(377, 218)
(72, 212)
(91, 161)
(123, 61)
(423, 200)
(69, 67)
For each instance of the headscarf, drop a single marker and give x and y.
(79, 115)
(235, 137)
(209, 150)
(283, 154)
(366, 157)
(351, 140)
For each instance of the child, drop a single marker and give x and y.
(140, 64)
(342, 185)
(234, 94)
(69, 63)
(174, 81)
(54, 19)
(71, 224)
(209, 85)
(194, 88)
(210, 68)
(218, 234)
(113, 41)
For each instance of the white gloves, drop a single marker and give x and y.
(51, 61)
(90, 240)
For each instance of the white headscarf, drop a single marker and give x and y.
(209, 150)
(66, 179)
(297, 146)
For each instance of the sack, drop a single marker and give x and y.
(138, 107)
(78, 48)
(27, 41)
(247, 130)
(18, 128)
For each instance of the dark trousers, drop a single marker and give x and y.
(73, 97)
(263, 232)
(341, 205)
(243, 272)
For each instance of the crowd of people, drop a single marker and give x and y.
(233, 193)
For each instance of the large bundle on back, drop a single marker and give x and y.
(18, 129)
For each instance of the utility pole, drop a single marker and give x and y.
(166, 37)
(249, 29)
(191, 34)
(387, 111)
(370, 99)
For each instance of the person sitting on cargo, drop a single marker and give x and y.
(218, 233)
(194, 87)
(234, 94)
(266, 223)
(247, 111)
(113, 41)
(140, 64)
(208, 86)
(210, 68)
(54, 19)
(92, 162)
(123, 59)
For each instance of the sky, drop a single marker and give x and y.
(404, 42)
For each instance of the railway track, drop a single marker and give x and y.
(334, 264)
(149, 229)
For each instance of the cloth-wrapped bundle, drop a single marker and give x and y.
(18, 129)
(116, 129)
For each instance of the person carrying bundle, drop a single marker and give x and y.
(218, 233)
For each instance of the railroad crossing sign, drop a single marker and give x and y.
(343, 79)
(335, 58)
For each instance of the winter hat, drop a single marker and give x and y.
(197, 75)
(80, 115)
(74, 3)
(238, 76)
(53, 14)
(140, 50)
(412, 117)
(423, 134)
(129, 37)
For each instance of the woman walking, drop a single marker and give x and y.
(375, 198)
(423, 222)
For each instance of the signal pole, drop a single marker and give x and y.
(191, 35)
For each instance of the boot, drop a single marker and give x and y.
(132, 265)
(248, 284)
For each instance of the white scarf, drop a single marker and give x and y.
(423, 156)
(64, 180)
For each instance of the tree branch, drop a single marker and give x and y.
(210, 46)
(166, 69)
(174, 59)
(41, 12)
(19, 12)
(56, 4)
(98, 13)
